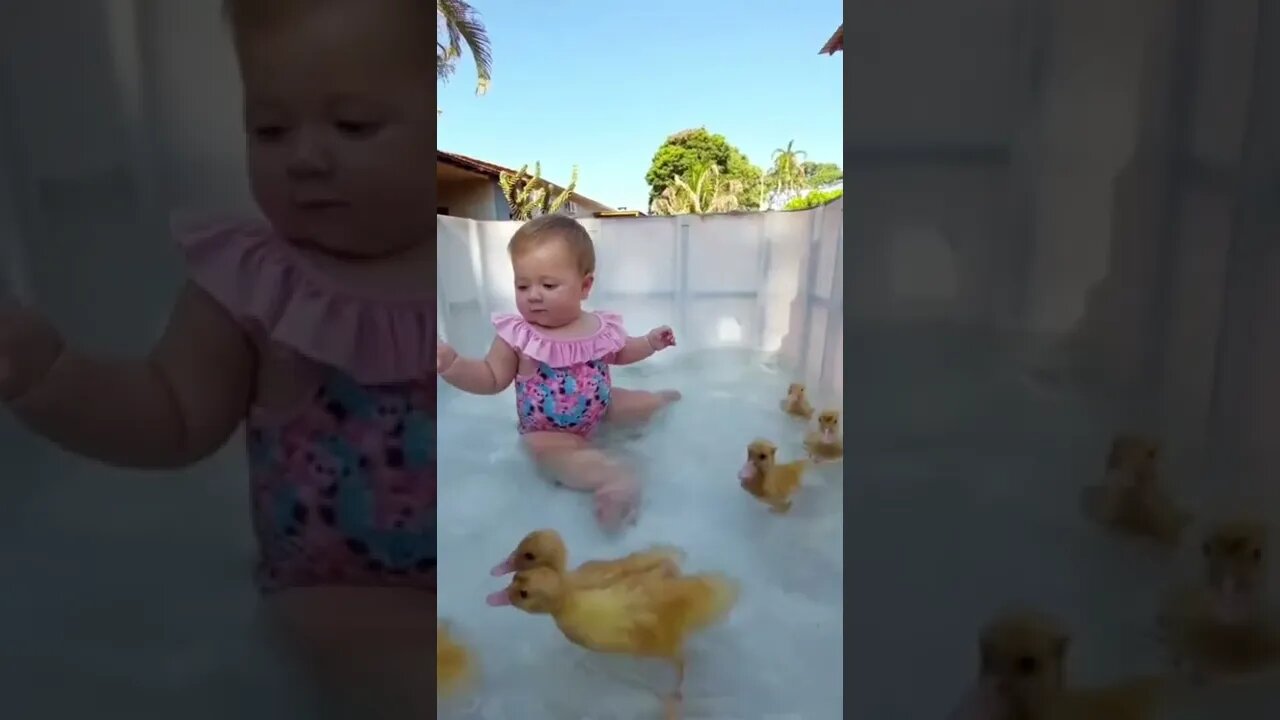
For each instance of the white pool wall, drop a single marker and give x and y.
(772, 282)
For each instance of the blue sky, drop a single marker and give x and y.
(600, 85)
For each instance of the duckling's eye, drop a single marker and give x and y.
(528, 556)
(1027, 665)
(761, 456)
(524, 594)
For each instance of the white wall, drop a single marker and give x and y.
(476, 199)
(772, 282)
(1095, 169)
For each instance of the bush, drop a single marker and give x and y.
(813, 199)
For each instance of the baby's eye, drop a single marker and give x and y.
(550, 286)
(357, 129)
(522, 287)
(269, 133)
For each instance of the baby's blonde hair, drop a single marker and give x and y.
(551, 228)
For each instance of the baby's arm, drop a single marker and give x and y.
(489, 375)
(171, 409)
(640, 348)
(636, 349)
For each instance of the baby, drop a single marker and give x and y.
(559, 356)
(312, 328)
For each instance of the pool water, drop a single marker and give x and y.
(963, 500)
(777, 656)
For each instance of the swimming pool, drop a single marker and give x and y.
(778, 655)
(748, 298)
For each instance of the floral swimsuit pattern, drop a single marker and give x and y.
(343, 485)
(569, 388)
(572, 399)
(344, 492)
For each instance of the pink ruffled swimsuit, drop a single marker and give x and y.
(343, 475)
(569, 388)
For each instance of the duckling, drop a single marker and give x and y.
(825, 443)
(645, 615)
(545, 548)
(1130, 499)
(453, 663)
(763, 477)
(796, 403)
(1219, 626)
(1023, 677)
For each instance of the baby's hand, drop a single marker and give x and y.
(445, 355)
(28, 348)
(661, 338)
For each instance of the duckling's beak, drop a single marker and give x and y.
(748, 471)
(505, 567)
(498, 598)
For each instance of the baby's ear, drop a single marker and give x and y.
(588, 281)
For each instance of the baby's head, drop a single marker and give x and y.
(554, 263)
(339, 120)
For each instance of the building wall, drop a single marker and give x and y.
(483, 200)
(475, 199)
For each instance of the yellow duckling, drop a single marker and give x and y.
(644, 615)
(768, 481)
(1024, 677)
(454, 665)
(545, 548)
(796, 403)
(826, 443)
(1131, 498)
(1219, 626)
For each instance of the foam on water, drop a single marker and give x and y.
(778, 655)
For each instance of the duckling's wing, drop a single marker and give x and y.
(664, 560)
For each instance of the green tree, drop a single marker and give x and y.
(458, 24)
(786, 177)
(821, 174)
(707, 191)
(813, 199)
(688, 153)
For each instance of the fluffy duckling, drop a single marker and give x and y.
(1023, 677)
(826, 442)
(545, 548)
(1219, 626)
(1131, 499)
(645, 616)
(765, 479)
(796, 403)
(454, 665)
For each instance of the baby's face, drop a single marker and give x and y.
(549, 288)
(340, 127)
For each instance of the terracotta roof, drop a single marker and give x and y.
(836, 43)
(489, 169)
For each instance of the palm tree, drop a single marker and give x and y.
(788, 170)
(710, 192)
(458, 24)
